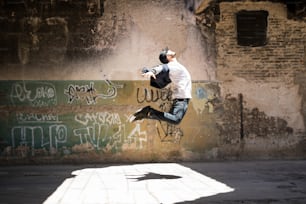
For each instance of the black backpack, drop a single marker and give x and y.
(162, 78)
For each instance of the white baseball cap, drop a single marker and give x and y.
(170, 52)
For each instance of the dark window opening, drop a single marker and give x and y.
(252, 28)
(296, 9)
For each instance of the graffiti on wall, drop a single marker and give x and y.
(105, 131)
(169, 132)
(36, 130)
(205, 101)
(43, 119)
(162, 97)
(102, 131)
(90, 94)
(35, 94)
(153, 95)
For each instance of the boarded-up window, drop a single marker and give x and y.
(252, 28)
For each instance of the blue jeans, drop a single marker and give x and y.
(176, 113)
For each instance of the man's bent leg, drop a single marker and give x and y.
(175, 115)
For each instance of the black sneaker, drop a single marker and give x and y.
(141, 114)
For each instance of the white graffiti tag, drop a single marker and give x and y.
(100, 117)
(105, 131)
(35, 136)
(36, 94)
(89, 94)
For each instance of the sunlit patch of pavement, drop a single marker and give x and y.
(157, 183)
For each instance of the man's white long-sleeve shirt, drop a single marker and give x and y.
(181, 85)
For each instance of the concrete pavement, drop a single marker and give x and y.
(200, 182)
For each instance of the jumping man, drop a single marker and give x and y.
(181, 87)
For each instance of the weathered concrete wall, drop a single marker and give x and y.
(67, 43)
(70, 80)
(88, 121)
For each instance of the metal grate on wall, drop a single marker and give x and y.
(252, 28)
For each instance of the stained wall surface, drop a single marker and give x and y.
(270, 77)
(89, 121)
(70, 79)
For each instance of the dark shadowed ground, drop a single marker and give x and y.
(249, 182)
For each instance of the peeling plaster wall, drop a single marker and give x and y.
(274, 99)
(265, 76)
(72, 45)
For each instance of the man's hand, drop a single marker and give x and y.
(149, 75)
